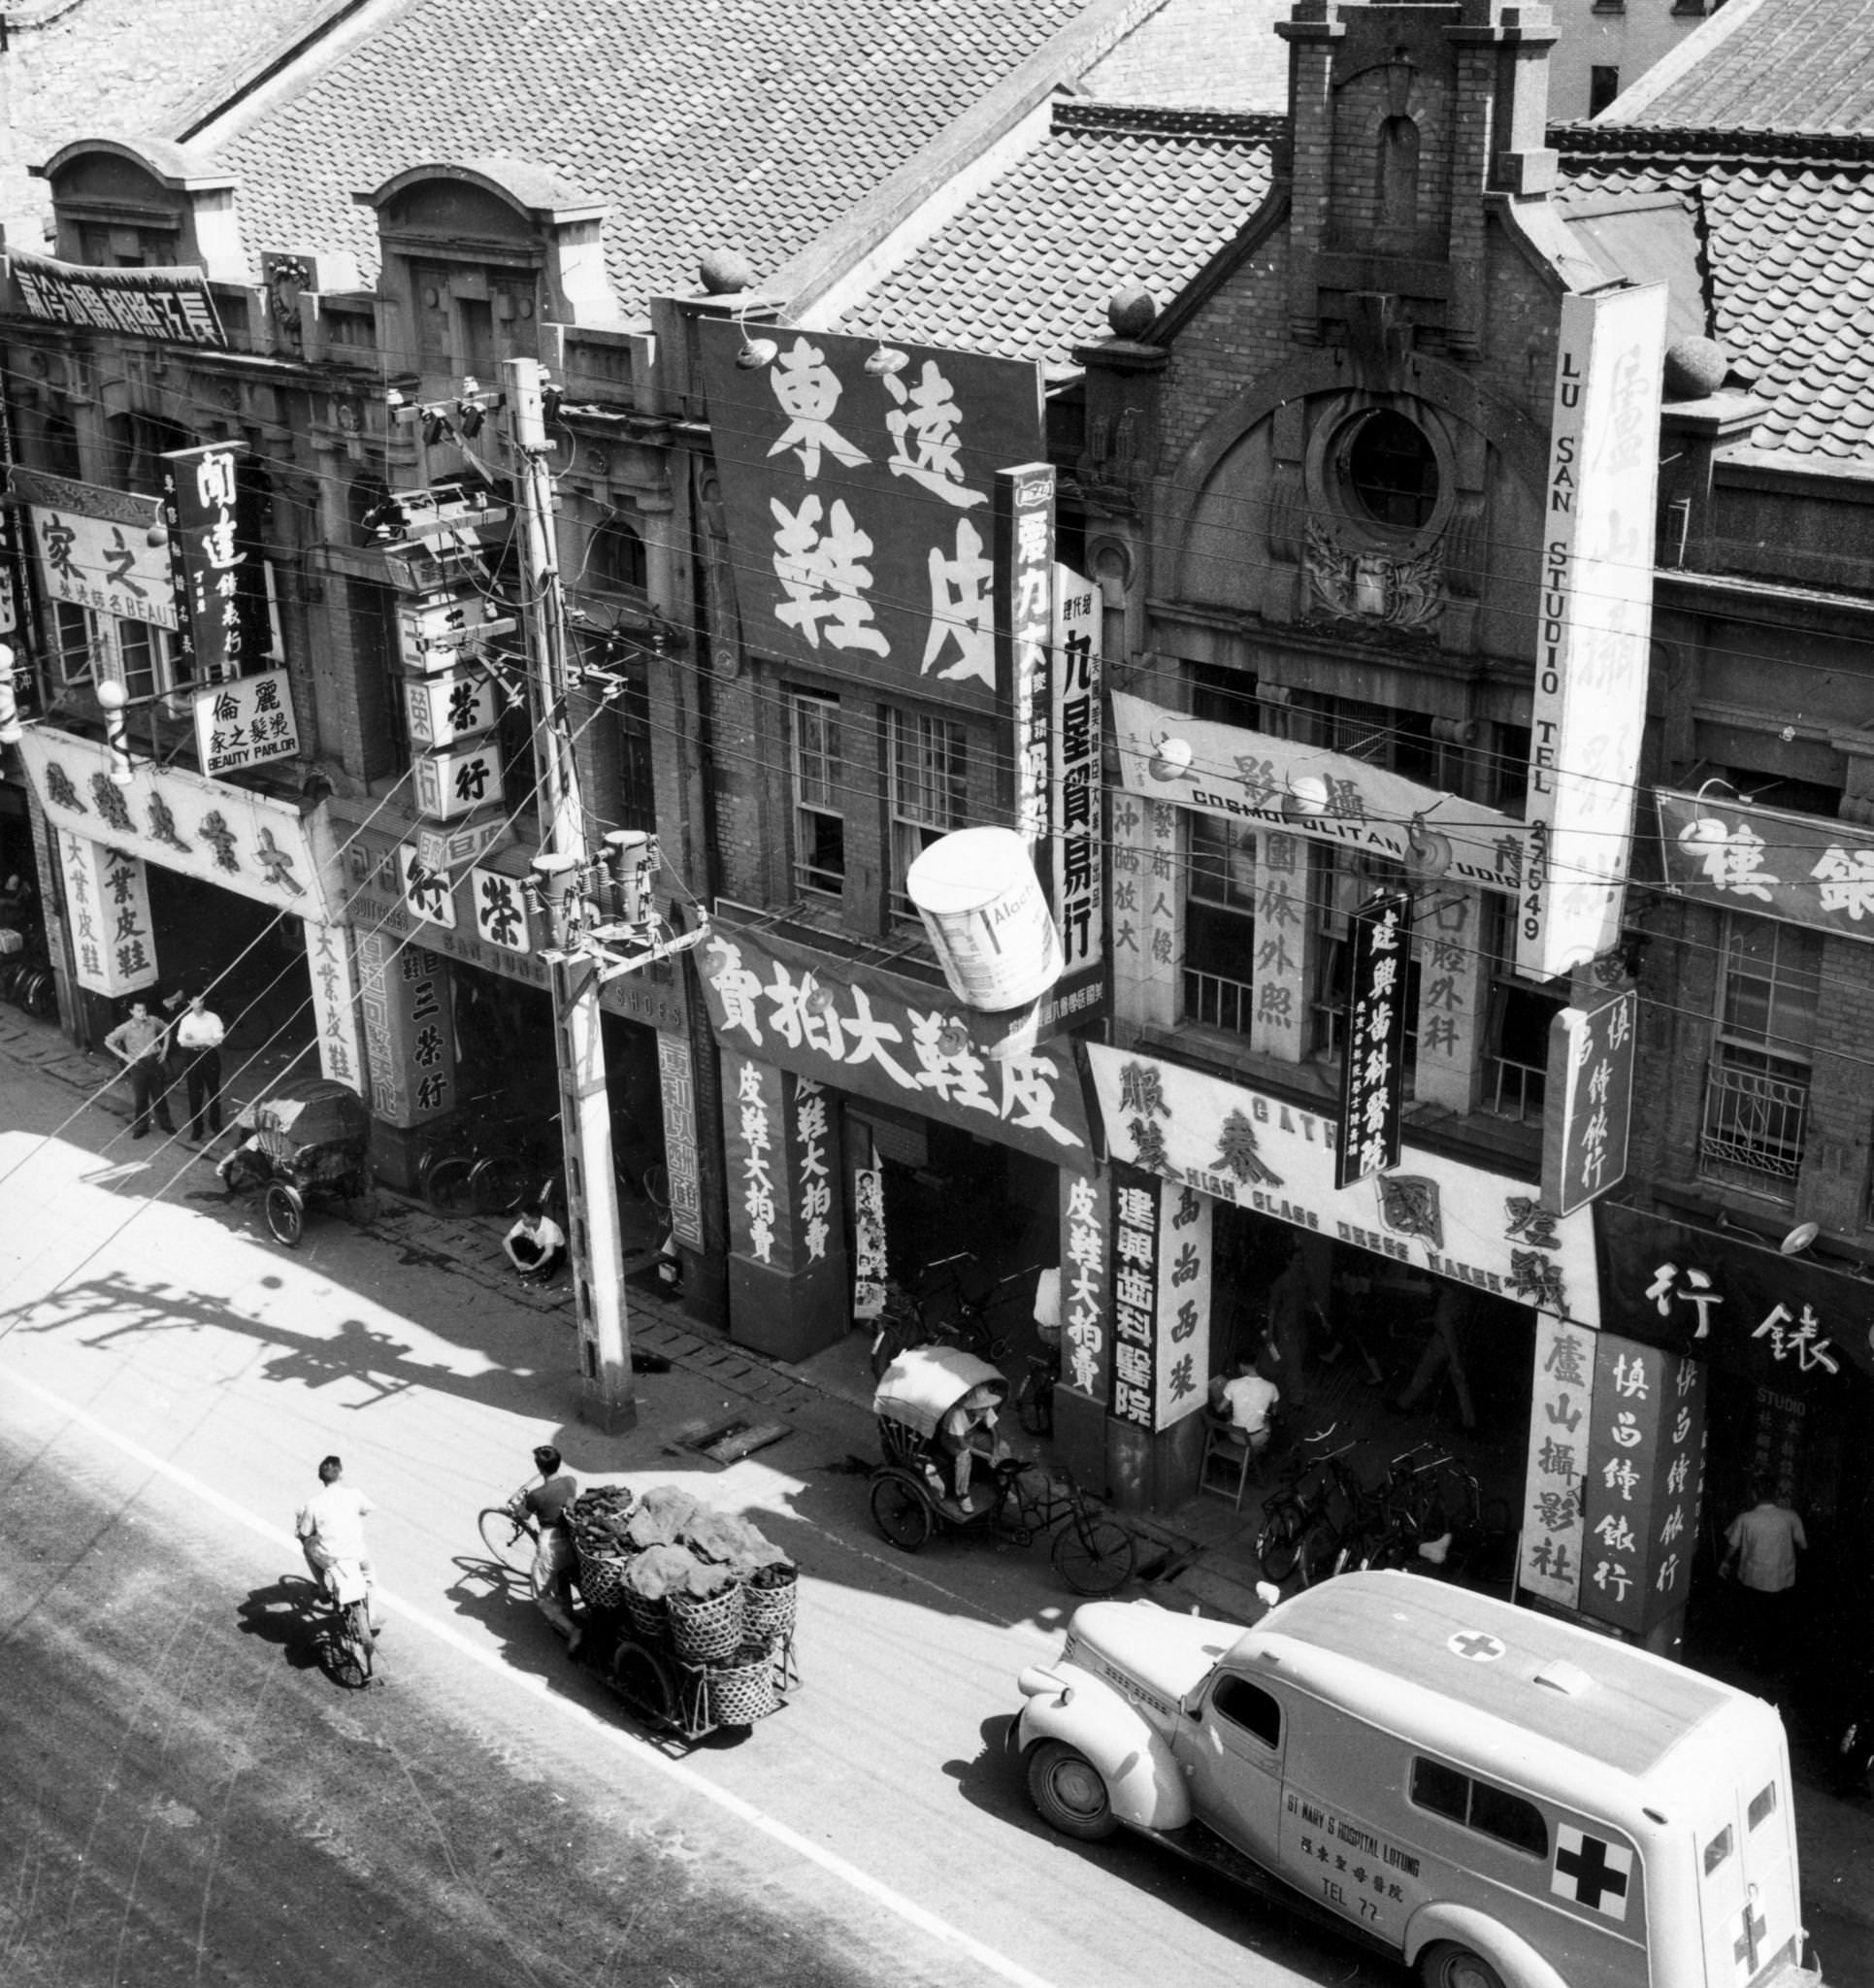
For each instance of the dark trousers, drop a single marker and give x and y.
(201, 1074)
(148, 1092)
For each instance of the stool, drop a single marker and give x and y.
(1227, 1458)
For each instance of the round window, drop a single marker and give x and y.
(1392, 471)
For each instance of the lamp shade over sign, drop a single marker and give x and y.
(984, 910)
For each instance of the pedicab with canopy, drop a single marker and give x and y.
(308, 1137)
(945, 1470)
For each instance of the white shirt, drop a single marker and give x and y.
(335, 1518)
(1251, 1397)
(203, 1031)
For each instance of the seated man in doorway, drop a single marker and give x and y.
(535, 1244)
(1242, 1407)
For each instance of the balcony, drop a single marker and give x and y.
(1754, 1124)
(1216, 1003)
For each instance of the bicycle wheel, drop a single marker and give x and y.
(286, 1214)
(1278, 1546)
(498, 1184)
(901, 1515)
(449, 1185)
(1093, 1555)
(38, 995)
(509, 1541)
(1317, 1556)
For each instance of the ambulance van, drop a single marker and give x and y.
(1495, 1797)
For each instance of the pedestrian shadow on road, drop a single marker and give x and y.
(282, 1614)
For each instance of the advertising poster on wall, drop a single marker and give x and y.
(1594, 624)
(859, 500)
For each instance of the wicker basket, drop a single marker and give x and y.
(767, 1613)
(651, 1621)
(602, 1580)
(702, 1632)
(743, 1691)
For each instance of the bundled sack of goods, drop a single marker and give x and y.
(599, 1521)
(709, 1581)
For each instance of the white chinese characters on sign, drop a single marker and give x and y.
(1135, 1245)
(1085, 1355)
(757, 1175)
(815, 1182)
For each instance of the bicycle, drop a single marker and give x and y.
(492, 1164)
(511, 1540)
(347, 1640)
(1406, 1518)
(1292, 1513)
(1034, 1397)
(965, 1322)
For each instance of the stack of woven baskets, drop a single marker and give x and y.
(702, 1583)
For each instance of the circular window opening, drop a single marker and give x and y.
(1392, 471)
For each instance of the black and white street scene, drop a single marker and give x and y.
(937, 994)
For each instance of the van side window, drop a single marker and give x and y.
(1490, 1812)
(1763, 1803)
(1441, 1789)
(1509, 1818)
(1718, 1849)
(1250, 1706)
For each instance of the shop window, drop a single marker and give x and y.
(477, 316)
(1404, 742)
(1509, 769)
(1516, 1026)
(75, 653)
(1339, 884)
(1756, 1082)
(1219, 922)
(1225, 696)
(1249, 1707)
(819, 825)
(56, 448)
(616, 567)
(143, 658)
(138, 444)
(928, 793)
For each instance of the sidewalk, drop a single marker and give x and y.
(1199, 1559)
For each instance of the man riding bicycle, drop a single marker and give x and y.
(331, 1528)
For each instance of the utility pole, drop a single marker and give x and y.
(593, 1239)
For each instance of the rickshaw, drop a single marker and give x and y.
(944, 1471)
(310, 1137)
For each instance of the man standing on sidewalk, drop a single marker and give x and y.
(139, 1044)
(199, 1036)
(1762, 1545)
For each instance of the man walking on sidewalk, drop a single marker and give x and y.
(139, 1044)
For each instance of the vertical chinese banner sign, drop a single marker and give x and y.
(1560, 1402)
(761, 1220)
(410, 1037)
(1372, 1076)
(1641, 1507)
(335, 1006)
(211, 509)
(1135, 1245)
(1024, 555)
(107, 900)
(1596, 619)
(676, 1081)
(1182, 1360)
(1591, 1088)
(1073, 863)
(1086, 1340)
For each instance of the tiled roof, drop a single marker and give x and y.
(1200, 55)
(1112, 195)
(748, 124)
(1788, 228)
(1780, 65)
(122, 65)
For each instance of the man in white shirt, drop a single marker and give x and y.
(535, 1244)
(199, 1036)
(1242, 1405)
(1761, 1546)
(331, 1528)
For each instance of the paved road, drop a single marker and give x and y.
(490, 1812)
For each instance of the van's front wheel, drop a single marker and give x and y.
(1444, 1965)
(1070, 1793)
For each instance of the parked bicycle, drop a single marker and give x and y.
(494, 1162)
(963, 1316)
(1034, 1397)
(1297, 1509)
(1429, 1514)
